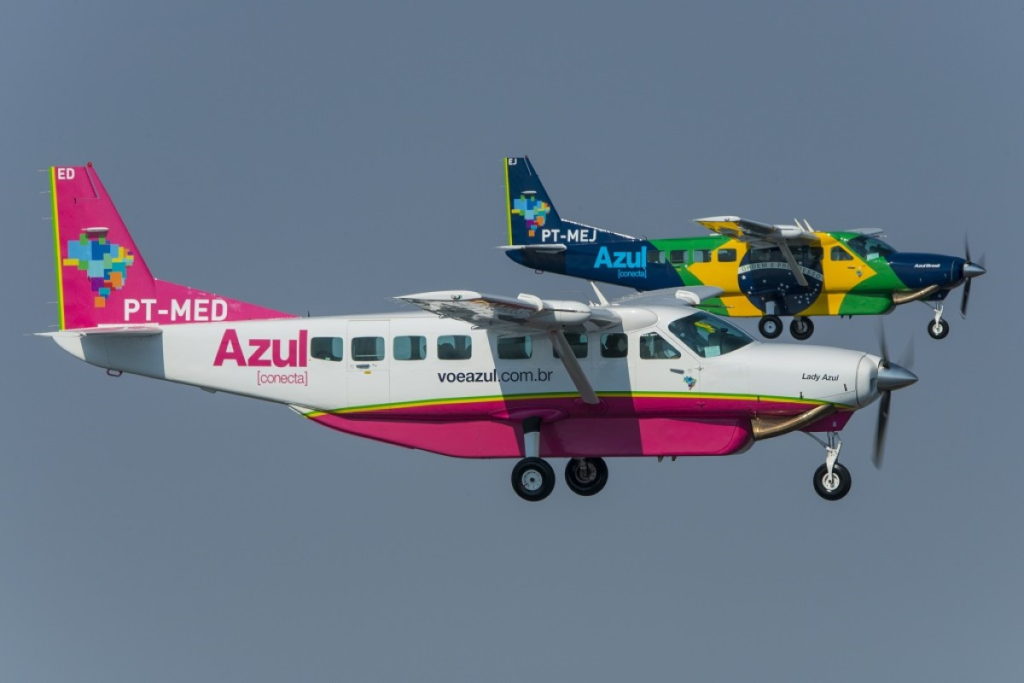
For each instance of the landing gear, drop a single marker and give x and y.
(834, 486)
(770, 326)
(586, 476)
(831, 480)
(533, 479)
(938, 328)
(801, 328)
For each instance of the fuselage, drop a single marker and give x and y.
(442, 385)
(846, 273)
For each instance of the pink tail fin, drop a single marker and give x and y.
(102, 278)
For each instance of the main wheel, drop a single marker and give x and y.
(586, 476)
(938, 330)
(533, 479)
(770, 326)
(801, 328)
(835, 488)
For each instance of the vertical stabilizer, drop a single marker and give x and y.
(533, 221)
(530, 210)
(102, 278)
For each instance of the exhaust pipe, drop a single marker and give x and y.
(768, 427)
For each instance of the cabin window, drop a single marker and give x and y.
(515, 348)
(578, 344)
(726, 255)
(654, 347)
(454, 347)
(677, 256)
(614, 345)
(655, 256)
(701, 255)
(709, 336)
(840, 254)
(327, 348)
(410, 348)
(869, 248)
(367, 348)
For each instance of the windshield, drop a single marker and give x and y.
(708, 335)
(869, 247)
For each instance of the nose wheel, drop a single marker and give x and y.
(586, 476)
(832, 486)
(938, 328)
(831, 481)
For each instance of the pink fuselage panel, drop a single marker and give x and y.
(619, 427)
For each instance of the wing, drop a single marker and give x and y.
(526, 314)
(673, 296)
(753, 231)
(765, 234)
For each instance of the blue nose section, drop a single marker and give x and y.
(923, 270)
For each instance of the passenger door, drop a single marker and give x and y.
(661, 366)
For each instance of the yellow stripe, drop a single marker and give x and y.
(508, 204)
(56, 248)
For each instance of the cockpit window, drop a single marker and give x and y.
(869, 248)
(709, 336)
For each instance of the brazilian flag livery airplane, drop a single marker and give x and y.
(764, 270)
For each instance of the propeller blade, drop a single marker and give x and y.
(967, 249)
(883, 345)
(966, 297)
(883, 424)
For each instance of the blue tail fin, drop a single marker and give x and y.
(530, 211)
(532, 217)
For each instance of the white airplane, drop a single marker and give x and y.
(470, 375)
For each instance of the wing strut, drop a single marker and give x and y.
(572, 366)
(793, 265)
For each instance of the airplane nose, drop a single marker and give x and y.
(894, 377)
(973, 270)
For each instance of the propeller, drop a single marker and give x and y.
(890, 377)
(971, 271)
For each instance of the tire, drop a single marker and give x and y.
(533, 479)
(838, 490)
(938, 331)
(770, 326)
(591, 481)
(801, 328)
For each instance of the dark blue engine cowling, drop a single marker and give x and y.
(923, 270)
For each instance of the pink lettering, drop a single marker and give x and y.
(265, 352)
(256, 358)
(229, 349)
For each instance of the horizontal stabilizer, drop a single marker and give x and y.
(107, 331)
(542, 248)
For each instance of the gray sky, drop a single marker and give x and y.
(324, 158)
